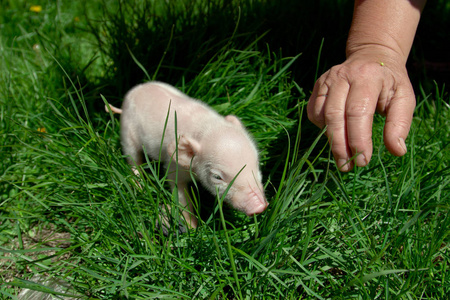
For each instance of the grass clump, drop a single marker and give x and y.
(71, 210)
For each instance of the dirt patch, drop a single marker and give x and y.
(13, 262)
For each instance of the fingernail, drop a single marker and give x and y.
(401, 143)
(361, 160)
(343, 165)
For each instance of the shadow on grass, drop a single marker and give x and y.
(174, 42)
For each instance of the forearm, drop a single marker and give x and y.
(384, 25)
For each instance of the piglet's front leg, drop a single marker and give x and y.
(186, 206)
(182, 152)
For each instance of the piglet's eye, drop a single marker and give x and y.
(217, 177)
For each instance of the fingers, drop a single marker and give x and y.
(346, 107)
(334, 112)
(326, 106)
(345, 98)
(316, 102)
(360, 108)
(399, 114)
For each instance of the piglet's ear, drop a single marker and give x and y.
(187, 149)
(234, 120)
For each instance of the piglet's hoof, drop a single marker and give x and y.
(165, 228)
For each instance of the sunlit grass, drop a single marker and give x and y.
(71, 208)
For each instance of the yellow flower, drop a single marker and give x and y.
(36, 8)
(76, 19)
(42, 129)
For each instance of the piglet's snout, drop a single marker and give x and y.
(256, 204)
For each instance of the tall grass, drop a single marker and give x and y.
(377, 232)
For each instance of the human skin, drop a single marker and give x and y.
(372, 78)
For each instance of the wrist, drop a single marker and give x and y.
(378, 52)
(385, 27)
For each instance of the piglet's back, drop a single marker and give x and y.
(149, 103)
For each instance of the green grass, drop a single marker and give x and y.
(70, 207)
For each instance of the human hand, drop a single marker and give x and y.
(346, 97)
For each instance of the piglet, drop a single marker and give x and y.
(213, 147)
